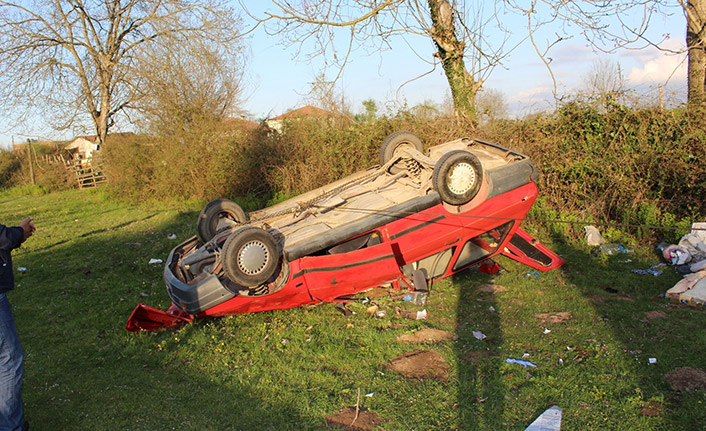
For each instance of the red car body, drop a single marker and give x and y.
(423, 234)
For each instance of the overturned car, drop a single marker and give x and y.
(418, 217)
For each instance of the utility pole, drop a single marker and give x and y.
(29, 161)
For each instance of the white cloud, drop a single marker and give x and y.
(658, 67)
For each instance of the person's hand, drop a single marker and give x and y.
(27, 228)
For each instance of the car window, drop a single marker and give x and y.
(482, 245)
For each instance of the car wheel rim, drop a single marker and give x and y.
(461, 178)
(253, 257)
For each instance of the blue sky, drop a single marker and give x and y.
(278, 80)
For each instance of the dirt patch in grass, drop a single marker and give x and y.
(421, 364)
(652, 409)
(492, 288)
(653, 315)
(686, 379)
(428, 335)
(378, 292)
(556, 318)
(346, 419)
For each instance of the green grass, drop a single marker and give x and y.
(87, 267)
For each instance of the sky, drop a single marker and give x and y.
(278, 78)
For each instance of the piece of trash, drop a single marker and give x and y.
(652, 360)
(285, 341)
(380, 314)
(144, 294)
(154, 261)
(561, 361)
(370, 395)
(535, 273)
(674, 254)
(421, 315)
(342, 308)
(518, 361)
(479, 335)
(550, 420)
(372, 309)
(593, 236)
(491, 309)
(488, 268)
(651, 270)
(407, 298)
(21, 269)
(525, 355)
(611, 249)
(418, 298)
(546, 331)
(171, 236)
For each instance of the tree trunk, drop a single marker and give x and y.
(696, 44)
(450, 51)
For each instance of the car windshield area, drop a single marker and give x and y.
(482, 246)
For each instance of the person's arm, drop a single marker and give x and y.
(12, 237)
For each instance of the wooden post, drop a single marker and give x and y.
(29, 161)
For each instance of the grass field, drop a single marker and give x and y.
(87, 267)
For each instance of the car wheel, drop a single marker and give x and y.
(250, 256)
(457, 177)
(217, 215)
(396, 140)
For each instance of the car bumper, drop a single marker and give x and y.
(198, 295)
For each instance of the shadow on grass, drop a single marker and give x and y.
(83, 370)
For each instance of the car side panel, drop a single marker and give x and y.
(329, 277)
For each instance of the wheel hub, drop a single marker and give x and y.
(253, 257)
(461, 178)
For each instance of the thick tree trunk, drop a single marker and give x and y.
(450, 51)
(696, 43)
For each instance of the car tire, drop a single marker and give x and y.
(395, 141)
(213, 213)
(457, 177)
(250, 256)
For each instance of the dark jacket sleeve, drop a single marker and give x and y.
(10, 237)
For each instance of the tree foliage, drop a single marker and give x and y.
(85, 58)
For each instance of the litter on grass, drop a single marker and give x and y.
(691, 250)
(651, 270)
(652, 360)
(154, 261)
(518, 361)
(171, 236)
(593, 236)
(479, 335)
(550, 420)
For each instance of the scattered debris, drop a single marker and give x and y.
(611, 249)
(533, 273)
(489, 268)
(342, 308)
(550, 420)
(491, 309)
(144, 294)
(479, 335)
(593, 236)
(381, 314)
(554, 318)
(492, 288)
(171, 236)
(350, 418)
(652, 360)
(428, 335)
(372, 309)
(518, 361)
(686, 379)
(421, 364)
(22, 269)
(416, 298)
(651, 270)
(154, 261)
(546, 331)
(412, 315)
